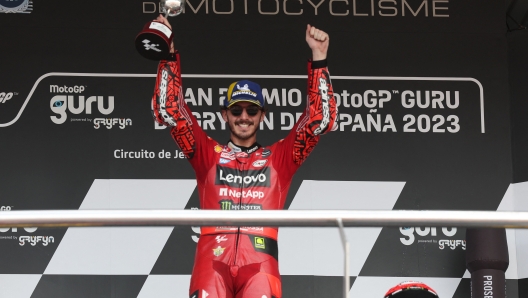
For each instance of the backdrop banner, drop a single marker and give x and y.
(424, 124)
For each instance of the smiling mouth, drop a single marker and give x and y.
(244, 125)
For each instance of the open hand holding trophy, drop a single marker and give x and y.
(154, 41)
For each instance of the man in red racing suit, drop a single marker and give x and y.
(242, 262)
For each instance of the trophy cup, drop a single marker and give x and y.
(154, 41)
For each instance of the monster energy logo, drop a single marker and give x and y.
(228, 205)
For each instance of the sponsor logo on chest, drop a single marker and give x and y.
(237, 178)
(224, 161)
(230, 205)
(266, 152)
(259, 163)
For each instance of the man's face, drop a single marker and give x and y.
(243, 119)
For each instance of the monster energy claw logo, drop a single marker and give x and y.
(228, 205)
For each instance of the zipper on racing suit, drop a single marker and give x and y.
(240, 172)
(243, 161)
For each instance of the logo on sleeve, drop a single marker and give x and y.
(325, 98)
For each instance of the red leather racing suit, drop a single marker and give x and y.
(241, 262)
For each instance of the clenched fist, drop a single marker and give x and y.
(318, 41)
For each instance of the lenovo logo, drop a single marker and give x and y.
(235, 178)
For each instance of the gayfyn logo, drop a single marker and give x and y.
(16, 6)
(111, 122)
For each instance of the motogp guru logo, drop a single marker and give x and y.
(76, 104)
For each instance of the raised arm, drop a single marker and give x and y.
(320, 115)
(169, 107)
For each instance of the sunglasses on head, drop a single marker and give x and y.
(251, 110)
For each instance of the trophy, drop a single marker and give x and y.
(154, 41)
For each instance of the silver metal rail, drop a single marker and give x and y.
(290, 218)
(346, 248)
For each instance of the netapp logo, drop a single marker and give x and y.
(66, 89)
(235, 178)
(230, 205)
(59, 104)
(241, 194)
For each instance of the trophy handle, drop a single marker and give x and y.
(172, 7)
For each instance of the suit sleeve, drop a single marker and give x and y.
(320, 115)
(169, 109)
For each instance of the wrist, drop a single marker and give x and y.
(316, 56)
(319, 64)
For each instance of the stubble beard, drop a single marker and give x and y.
(245, 136)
